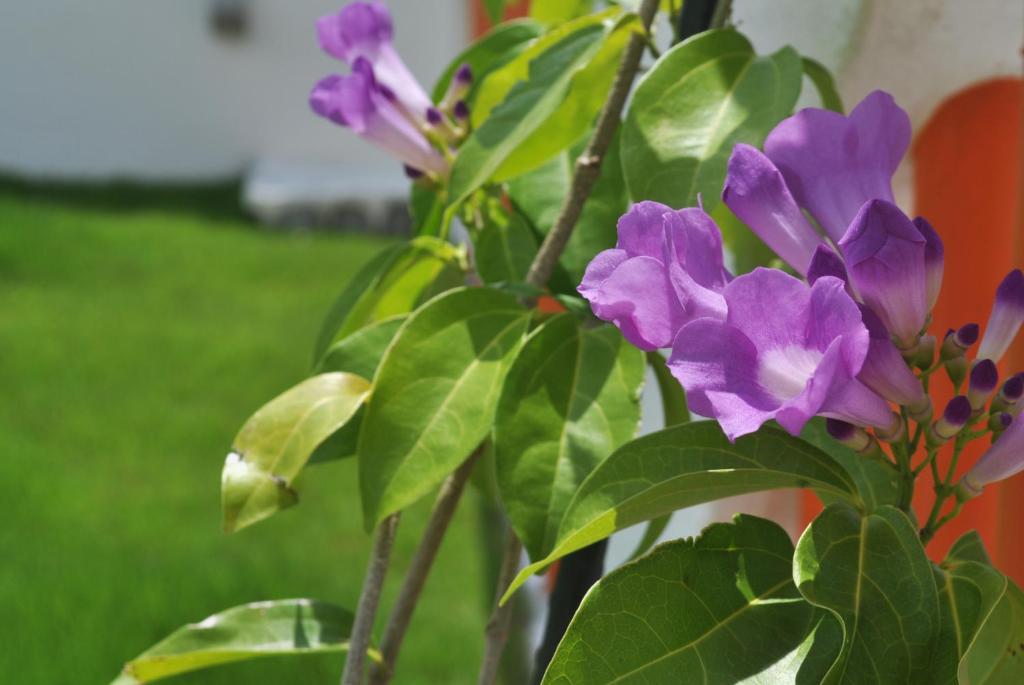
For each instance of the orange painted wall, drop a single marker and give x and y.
(967, 182)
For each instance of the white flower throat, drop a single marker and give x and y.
(785, 371)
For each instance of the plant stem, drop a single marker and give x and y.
(416, 577)
(588, 164)
(369, 599)
(496, 633)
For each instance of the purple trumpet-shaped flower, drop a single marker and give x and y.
(886, 372)
(360, 103)
(363, 30)
(785, 351)
(826, 262)
(1005, 319)
(666, 270)
(833, 164)
(885, 258)
(934, 260)
(1003, 459)
(757, 194)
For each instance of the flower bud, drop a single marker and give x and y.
(894, 431)
(885, 371)
(1003, 459)
(1005, 319)
(461, 111)
(1009, 394)
(925, 352)
(957, 342)
(854, 437)
(953, 419)
(983, 381)
(956, 369)
(999, 422)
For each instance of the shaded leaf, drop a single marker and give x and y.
(277, 441)
(435, 394)
(426, 209)
(699, 99)
(969, 547)
(285, 627)
(996, 657)
(673, 397)
(968, 593)
(571, 397)
(718, 609)
(824, 83)
(395, 282)
(872, 573)
(361, 352)
(878, 481)
(495, 9)
(503, 251)
(682, 466)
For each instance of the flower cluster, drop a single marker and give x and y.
(380, 99)
(844, 338)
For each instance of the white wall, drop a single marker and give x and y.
(145, 89)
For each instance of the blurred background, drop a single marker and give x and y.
(174, 223)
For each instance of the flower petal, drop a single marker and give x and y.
(642, 229)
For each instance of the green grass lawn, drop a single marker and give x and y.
(133, 344)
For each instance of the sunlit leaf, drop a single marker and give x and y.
(435, 394)
(285, 627)
(554, 12)
(682, 466)
(570, 399)
(699, 99)
(277, 441)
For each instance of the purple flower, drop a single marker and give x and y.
(1003, 459)
(363, 30)
(833, 164)
(954, 417)
(826, 262)
(886, 372)
(885, 258)
(755, 192)
(934, 260)
(666, 270)
(982, 383)
(1005, 319)
(363, 105)
(785, 351)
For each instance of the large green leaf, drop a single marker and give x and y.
(503, 250)
(395, 282)
(284, 627)
(554, 12)
(871, 571)
(996, 656)
(497, 47)
(683, 466)
(718, 609)
(968, 593)
(549, 95)
(878, 481)
(570, 399)
(435, 394)
(277, 441)
(539, 195)
(700, 98)
(969, 547)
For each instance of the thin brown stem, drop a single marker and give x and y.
(416, 577)
(496, 633)
(369, 599)
(588, 164)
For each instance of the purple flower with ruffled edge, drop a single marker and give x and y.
(885, 259)
(364, 30)
(1005, 320)
(1003, 459)
(666, 270)
(358, 102)
(785, 351)
(833, 164)
(756, 193)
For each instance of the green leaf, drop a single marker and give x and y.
(497, 47)
(969, 547)
(495, 9)
(285, 627)
(554, 12)
(570, 399)
(822, 79)
(549, 95)
(673, 397)
(682, 466)
(872, 573)
(699, 99)
(435, 394)
(878, 481)
(540, 193)
(395, 282)
(652, 531)
(968, 593)
(996, 657)
(504, 251)
(426, 209)
(277, 441)
(718, 609)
